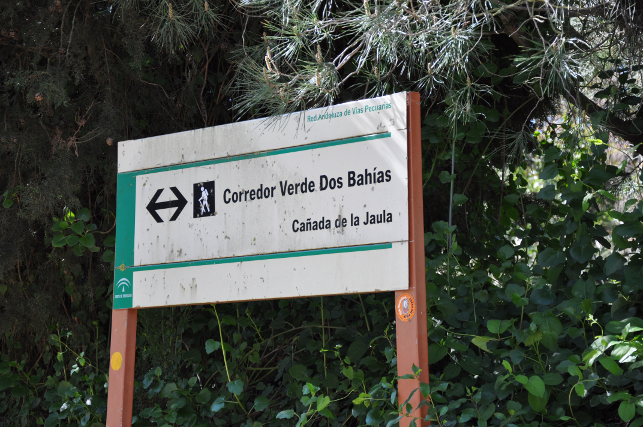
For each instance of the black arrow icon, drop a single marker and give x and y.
(179, 204)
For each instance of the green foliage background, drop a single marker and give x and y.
(534, 294)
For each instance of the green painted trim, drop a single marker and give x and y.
(250, 258)
(259, 154)
(125, 229)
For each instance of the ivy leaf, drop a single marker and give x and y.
(203, 396)
(72, 240)
(579, 389)
(218, 404)
(584, 288)
(550, 258)
(482, 342)
(83, 214)
(629, 229)
(552, 378)
(547, 193)
(446, 177)
(538, 404)
(108, 256)
(536, 386)
(626, 411)
(110, 241)
(374, 417)
(79, 249)
(549, 172)
(535, 337)
(212, 345)
(261, 403)
(575, 371)
(235, 387)
(609, 364)
(505, 252)
(459, 199)
(78, 227)
(322, 402)
(497, 326)
(582, 253)
(59, 241)
(298, 372)
(616, 327)
(614, 263)
(286, 415)
(87, 240)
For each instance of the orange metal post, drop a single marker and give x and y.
(121, 368)
(411, 320)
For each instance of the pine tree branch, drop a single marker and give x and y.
(617, 126)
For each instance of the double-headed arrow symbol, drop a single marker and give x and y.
(179, 204)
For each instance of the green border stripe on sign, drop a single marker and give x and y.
(250, 258)
(261, 154)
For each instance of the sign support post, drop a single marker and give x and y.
(411, 330)
(121, 368)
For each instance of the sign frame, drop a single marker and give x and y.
(411, 316)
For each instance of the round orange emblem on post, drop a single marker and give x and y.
(405, 307)
(117, 361)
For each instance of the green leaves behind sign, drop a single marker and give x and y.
(617, 327)
(626, 411)
(582, 252)
(261, 403)
(497, 326)
(614, 263)
(459, 199)
(446, 177)
(547, 193)
(203, 396)
(629, 229)
(584, 288)
(218, 404)
(505, 252)
(322, 402)
(286, 415)
(78, 227)
(87, 240)
(536, 386)
(212, 345)
(436, 353)
(59, 241)
(298, 372)
(550, 258)
(609, 364)
(538, 404)
(235, 387)
(83, 214)
(549, 172)
(482, 342)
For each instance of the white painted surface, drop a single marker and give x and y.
(161, 273)
(266, 225)
(331, 274)
(258, 135)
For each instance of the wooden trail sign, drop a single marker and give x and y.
(323, 202)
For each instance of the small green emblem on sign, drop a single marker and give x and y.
(123, 288)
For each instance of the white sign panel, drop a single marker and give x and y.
(313, 204)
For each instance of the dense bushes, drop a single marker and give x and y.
(534, 319)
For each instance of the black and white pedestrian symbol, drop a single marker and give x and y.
(203, 201)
